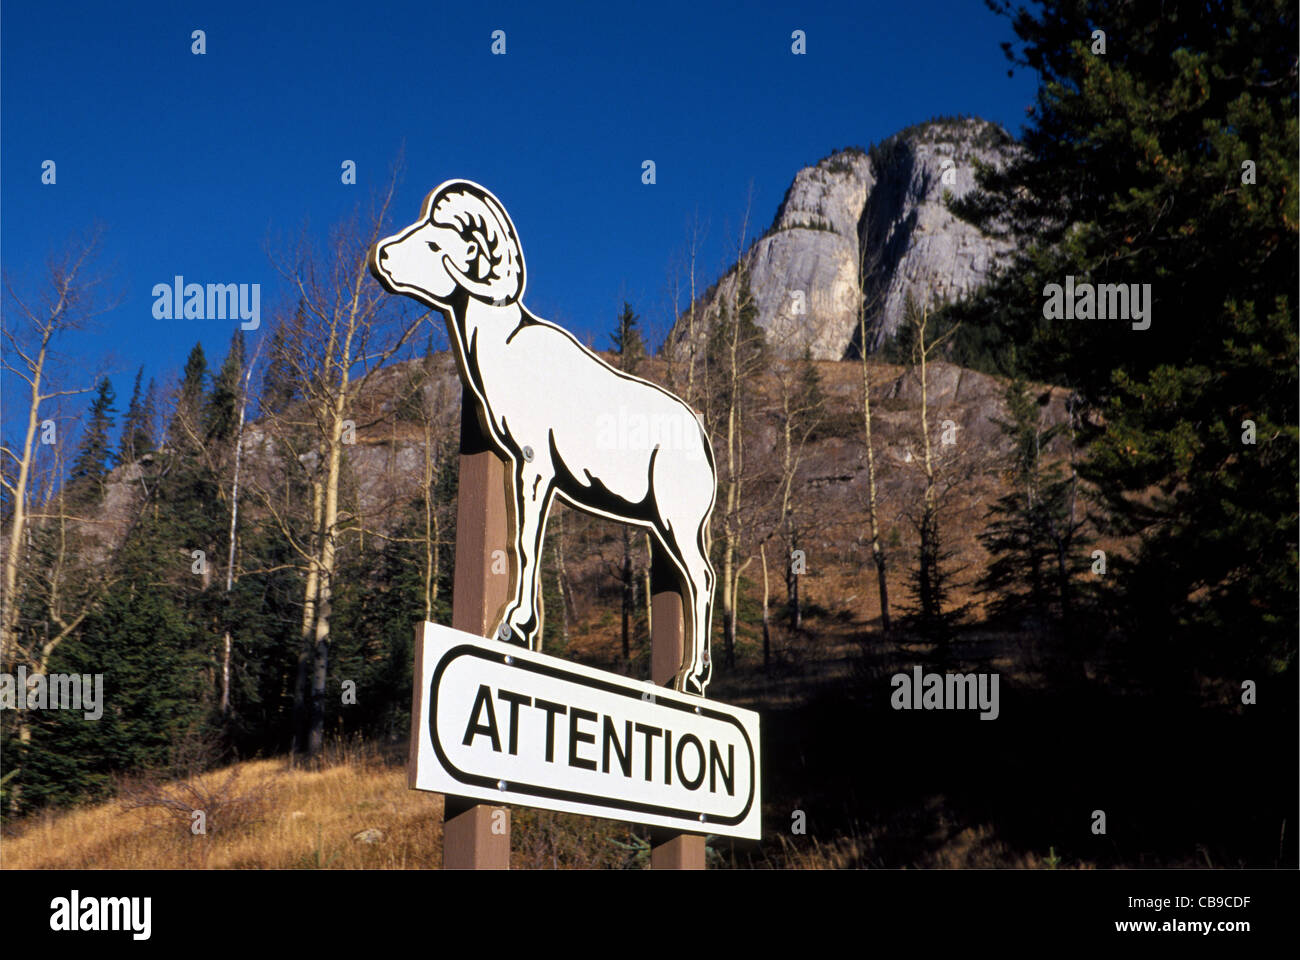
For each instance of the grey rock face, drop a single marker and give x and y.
(874, 229)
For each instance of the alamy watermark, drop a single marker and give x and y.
(1103, 301)
(76, 913)
(633, 430)
(179, 300)
(946, 691)
(57, 691)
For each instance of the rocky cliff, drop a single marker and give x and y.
(872, 225)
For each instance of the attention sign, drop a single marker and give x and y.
(501, 723)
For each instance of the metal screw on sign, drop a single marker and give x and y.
(509, 660)
(528, 454)
(501, 784)
(503, 632)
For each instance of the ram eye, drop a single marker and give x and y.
(469, 250)
(433, 246)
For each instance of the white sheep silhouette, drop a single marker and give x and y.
(543, 394)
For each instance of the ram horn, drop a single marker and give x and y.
(507, 286)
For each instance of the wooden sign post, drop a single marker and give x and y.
(669, 850)
(478, 594)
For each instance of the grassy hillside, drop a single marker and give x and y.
(357, 813)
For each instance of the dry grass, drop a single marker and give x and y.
(961, 849)
(280, 817)
(308, 819)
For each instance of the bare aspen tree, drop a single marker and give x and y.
(866, 300)
(801, 409)
(66, 303)
(345, 329)
(931, 580)
(59, 580)
(737, 353)
(767, 622)
(234, 526)
(63, 607)
(692, 345)
(438, 415)
(647, 586)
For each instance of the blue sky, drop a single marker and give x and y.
(193, 162)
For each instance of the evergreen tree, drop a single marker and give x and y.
(137, 429)
(189, 400)
(142, 641)
(809, 405)
(379, 593)
(627, 340)
(221, 409)
(92, 464)
(934, 616)
(1169, 160)
(1034, 531)
(279, 383)
(189, 486)
(630, 347)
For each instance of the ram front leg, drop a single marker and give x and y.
(532, 501)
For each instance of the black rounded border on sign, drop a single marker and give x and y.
(552, 793)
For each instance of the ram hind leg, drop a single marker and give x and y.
(697, 662)
(688, 566)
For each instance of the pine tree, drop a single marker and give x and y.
(221, 409)
(279, 382)
(137, 428)
(627, 340)
(93, 462)
(142, 639)
(1034, 530)
(1170, 160)
(189, 485)
(189, 400)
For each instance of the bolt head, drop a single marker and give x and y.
(528, 453)
(501, 784)
(503, 632)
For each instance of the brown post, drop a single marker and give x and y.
(670, 850)
(478, 595)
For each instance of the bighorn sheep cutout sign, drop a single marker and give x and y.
(568, 423)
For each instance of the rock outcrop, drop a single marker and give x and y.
(870, 226)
